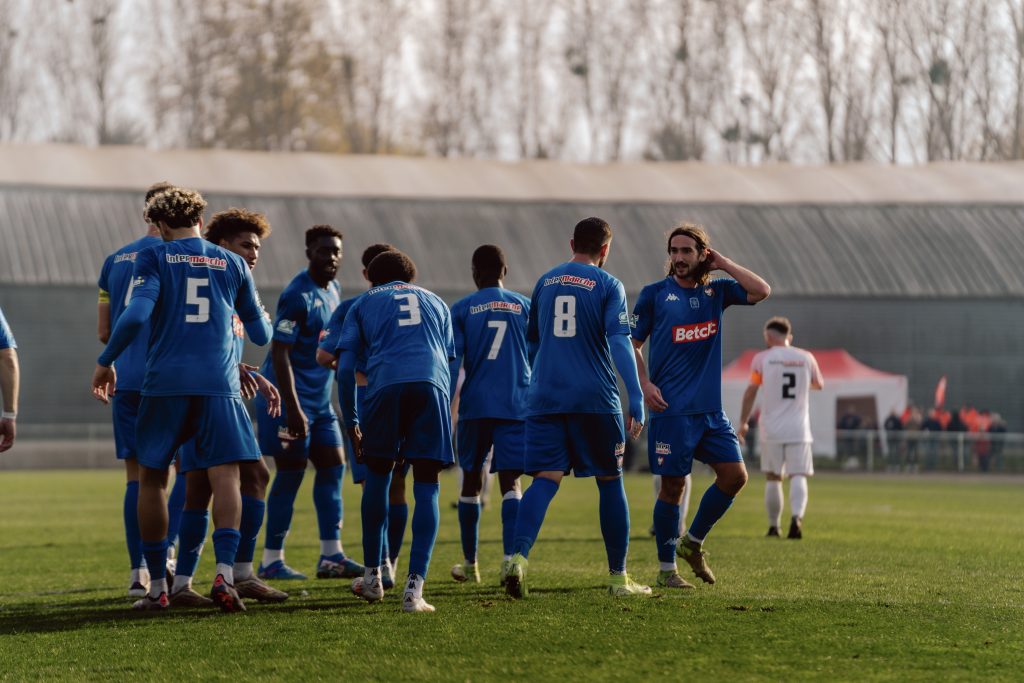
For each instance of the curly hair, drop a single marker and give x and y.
(176, 207)
(375, 250)
(234, 221)
(157, 188)
(697, 233)
(390, 266)
(318, 231)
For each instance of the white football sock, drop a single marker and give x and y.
(227, 571)
(157, 586)
(668, 566)
(514, 494)
(798, 495)
(243, 570)
(773, 501)
(414, 585)
(330, 546)
(181, 582)
(140, 575)
(270, 556)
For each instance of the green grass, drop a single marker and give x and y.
(897, 579)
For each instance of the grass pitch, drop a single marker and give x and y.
(896, 579)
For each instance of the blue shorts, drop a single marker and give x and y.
(408, 421)
(673, 442)
(322, 431)
(218, 425)
(125, 411)
(476, 437)
(588, 444)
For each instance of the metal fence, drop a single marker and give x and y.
(875, 450)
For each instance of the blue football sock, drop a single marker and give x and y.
(175, 504)
(469, 522)
(194, 525)
(253, 510)
(509, 512)
(666, 529)
(225, 545)
(131, 524)
(155, 553)
(425, 521)
(374, 509)
(280, 505)
(327, 501)
(398, 518)
(531, 514)
(614, 512)
(713, 505)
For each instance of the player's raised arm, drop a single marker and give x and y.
(757, 288)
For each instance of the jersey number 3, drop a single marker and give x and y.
(201, 303)
(411, 307)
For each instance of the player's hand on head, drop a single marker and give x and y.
(269, 393)
(713, 259)
(653, 398)
(104, 381)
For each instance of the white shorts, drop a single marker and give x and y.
(787, 458)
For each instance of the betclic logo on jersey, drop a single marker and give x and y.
(682, 334)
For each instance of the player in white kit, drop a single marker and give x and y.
(787, 374)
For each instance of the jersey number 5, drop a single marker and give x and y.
(789, 385)
(412, 307)
(565, 316)
(201, 303)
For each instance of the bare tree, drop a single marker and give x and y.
(13, 75)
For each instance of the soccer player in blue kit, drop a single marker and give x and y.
(307, 431)
(578, 326)
(490, 341)
(191, 289)
(682, 315)
(327, 356)
(115, 289)
(240, 232)
(9, 380)
(405, 334)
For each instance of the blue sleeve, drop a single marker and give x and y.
(351, 334)
(733, 294)
(330, 341)
(616, 315)
(250, 310)
(104, 281)
(127, 328)
(643, 314)
(449, 334)
(625, 362)
(291, 314)
(146, 276)
(6, 336)
(459, 348)
(346, 376)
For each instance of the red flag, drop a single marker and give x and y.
(940, 392)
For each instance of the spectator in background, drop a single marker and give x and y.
(913, 422)
(9, 377)
(849, 421)
(933, 426)
(998, 431)
(893, 426)
(982, 445)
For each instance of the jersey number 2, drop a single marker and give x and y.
(412, 307)
(565, 316)
(201, 303)
(789, 385)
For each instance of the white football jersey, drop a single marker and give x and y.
(784, 374)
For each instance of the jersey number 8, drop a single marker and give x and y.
(565, 316)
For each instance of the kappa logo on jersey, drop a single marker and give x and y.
(671, 297)
(682, 334)
(199, 261)
(286, 326)
(662, 448)
(505, 306)
(572, 280)
(694, 303)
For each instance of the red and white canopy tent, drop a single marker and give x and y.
(845, 378)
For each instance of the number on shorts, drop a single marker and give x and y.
(565, 316)
(500, 327)
(412, 307)
(201, 303)
(787, 388)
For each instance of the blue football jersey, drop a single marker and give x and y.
(685, 328)
(574, 309)
(332, 333)
(197, 288)
(6, 336)
(490, 337)
(405, 334)
(116, 280)
(303, 310)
